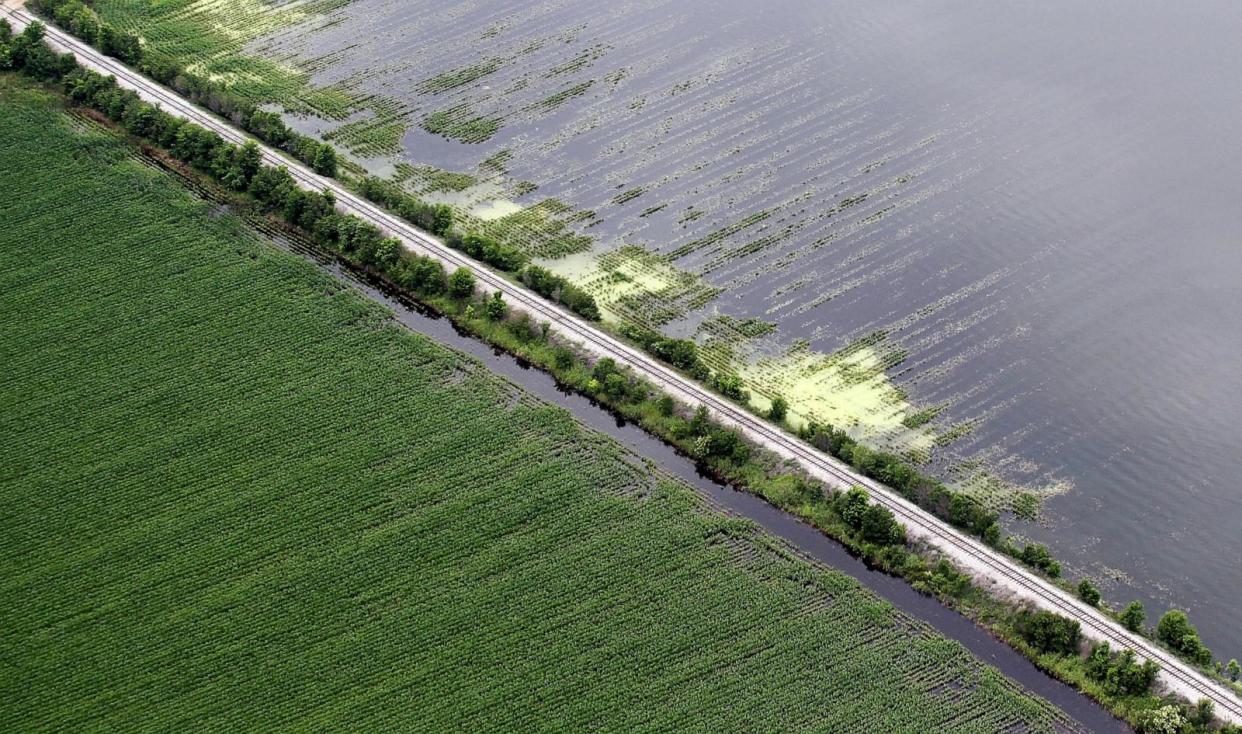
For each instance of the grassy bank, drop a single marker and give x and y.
(242, 498)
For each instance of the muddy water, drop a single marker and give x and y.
(806, 539)
(1037, 202)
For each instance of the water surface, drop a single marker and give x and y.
(1036, 202)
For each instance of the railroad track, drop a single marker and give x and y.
(1179, 675)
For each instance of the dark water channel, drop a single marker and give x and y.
(806, 539)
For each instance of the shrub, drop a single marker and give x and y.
(555, 288)
(563, 358)
(495, 308)
(880, 527)
(852, 505)
(1037, 556)
(1175, 631)
(1048, 632)
(731, 387)
(434, 218)
(1088, 593)
(1164, 720)
(1125, 677)
(1133, 615)
(488, 250)
(461, 283)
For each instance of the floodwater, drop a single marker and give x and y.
(805, 539)
(1037, 205)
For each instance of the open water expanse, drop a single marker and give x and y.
(1037, 207)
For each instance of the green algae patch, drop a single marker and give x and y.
(849, 389)
(634, 285)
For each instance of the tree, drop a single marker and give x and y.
(992, 534)
(272, 186)
(249, 160)
(461, 283)
(495, 308)
(1088, 593)
(85, 25)
(879, 526)
(853, 505)
(386, 252)
(1037, 556)
(731, 386)
(700, 423)
(1172, 627)
(563, 358)
(1125, 677)
(1049, 632)
(1175, 631)
(778, 410)
(681, 353)
(1233, 669)
(616, 386)
(422, 274)
(140, 119)
(442, 219)
(120, 45)
(603, 368)
(1133, 615)
(324, 161)
(1099, 661)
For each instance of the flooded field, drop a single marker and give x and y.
(1002, 238)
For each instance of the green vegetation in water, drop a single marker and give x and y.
(563, 96)
(460, 123)
(459, 77)
(269, 494)
(717, 236)
(920, 418)
(577, 63)
(497, 162)
(1026, 506)
(429, 179)
(209, 39)
(371, 137)
(545, 229)
(628, 195)
(636, 286)
(735, 330)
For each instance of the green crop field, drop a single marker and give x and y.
(238, 496)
